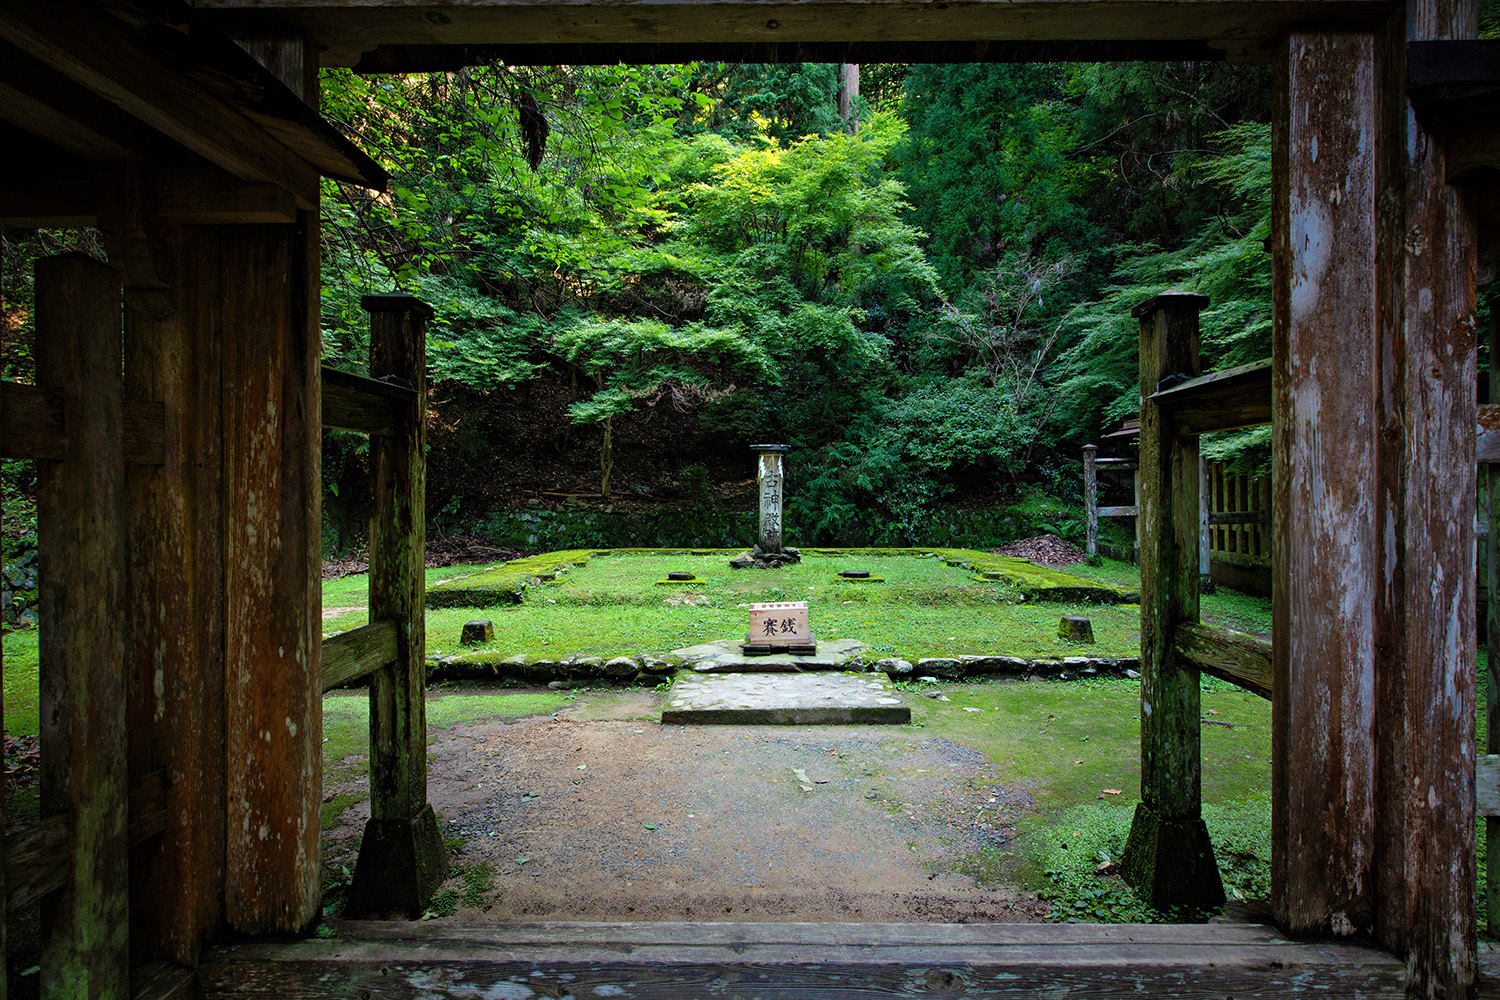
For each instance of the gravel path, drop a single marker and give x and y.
(622, 819)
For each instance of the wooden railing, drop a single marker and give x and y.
(401, 858)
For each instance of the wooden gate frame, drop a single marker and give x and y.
(201, 167)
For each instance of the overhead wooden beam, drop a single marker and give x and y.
(48, 104)
(1240, 28)
(437, 58)
(1232, 656)
(92, 49)
(1454, 88)
(183, 196)
(354, 654)
(1221, 401)
(365, 405)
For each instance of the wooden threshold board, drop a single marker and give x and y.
(830, 961)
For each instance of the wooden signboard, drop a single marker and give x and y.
(778, 626)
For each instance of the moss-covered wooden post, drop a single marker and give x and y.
(1091, 501)
(85, 949)
(1168, 857)
(401, 859)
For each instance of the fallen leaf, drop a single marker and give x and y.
(649, 826)
(806, 788)
(801, 775)
(1213, 711)
(583, 767)
(528, 796)
(1112, 791)
(968, 709)
(1078, 762)
(521, 859)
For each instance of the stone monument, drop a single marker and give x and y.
(769, 552)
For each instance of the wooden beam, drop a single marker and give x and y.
(1454, 88)
(1221, 401)
(401, 857)
(1425, 643)
(1487, 434)
(81, 598)
(1324, 552)
(1487, 786)
(53, 107)
(365, 405)
(1131, 511)
(1232, 656)
(33, 426)
(206, 197)
(448, 58)
(1168, 857)
(36, 858)
(1240, 517)
(97, 52)
(184, 196)
(351, 655)
(1241, 28)
(837, 961)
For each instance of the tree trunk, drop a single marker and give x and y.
(848, 91)
(607, 456)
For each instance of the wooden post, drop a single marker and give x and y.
(81, 599)
(1492, 643)
(1205, 579)
(176, 594)
(1425, 415)
(401, 859)
(1325, 556)
(1091, 502)
(272, 510)
(1168, 857)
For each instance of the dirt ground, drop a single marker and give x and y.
(619, 818)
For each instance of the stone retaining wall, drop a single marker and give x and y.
(576, 671)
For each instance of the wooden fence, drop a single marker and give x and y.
(99, 800)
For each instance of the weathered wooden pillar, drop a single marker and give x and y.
(401, 859)
(272, 428)
(1091, 502)
(176, 595)
(1205, 566)
(1168, 857)
(1325, 556)
(81, 599)
(1492, 642)
(1425, 651)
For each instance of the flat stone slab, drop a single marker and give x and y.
(784, 700)
(723, 656)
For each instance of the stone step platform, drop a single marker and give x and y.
(725, 656)
(805, 699)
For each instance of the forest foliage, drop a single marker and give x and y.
(930, 299)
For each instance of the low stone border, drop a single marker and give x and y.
(963, 667)
(625, 671)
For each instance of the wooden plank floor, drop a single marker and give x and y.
(792, 961)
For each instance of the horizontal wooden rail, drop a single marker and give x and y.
(1487, 785)
(1240, 517)
(365, 405)
(1131, 511)
(1232, 656)
(1487, 434)
(36, 858)
(33, 425)
(351, 655)
(1220, 401)
(1128, 463)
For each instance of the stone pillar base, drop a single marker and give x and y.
(401, 864)
(1171, 864)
